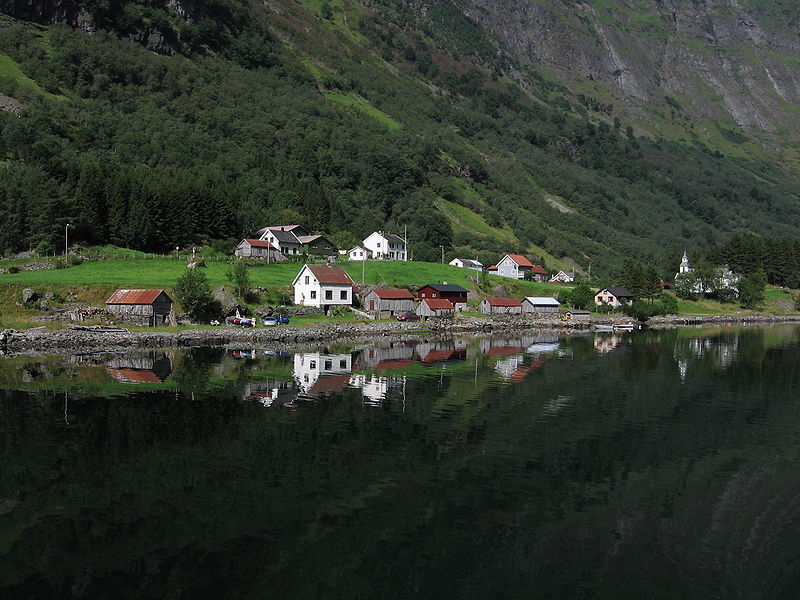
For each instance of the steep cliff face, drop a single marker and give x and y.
(719, 59)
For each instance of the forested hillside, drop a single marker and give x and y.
(155, 124)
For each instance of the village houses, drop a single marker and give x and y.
(296, 239)
(563, 277)
(323, 287)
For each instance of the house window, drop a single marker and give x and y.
(343, 294)
(306, 280)
(424, 295)
(379, 244)
(312, 364)
(328, 294)
(328, 365)
(342, 364)
(313, 294)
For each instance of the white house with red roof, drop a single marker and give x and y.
(323, 286)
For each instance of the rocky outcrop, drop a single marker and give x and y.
(717, 59)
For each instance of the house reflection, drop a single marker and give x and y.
(152, 367)
(319, 374)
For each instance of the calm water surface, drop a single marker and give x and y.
(647, 465)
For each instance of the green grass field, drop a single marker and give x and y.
(92, 282)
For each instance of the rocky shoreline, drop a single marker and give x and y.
(77, 341)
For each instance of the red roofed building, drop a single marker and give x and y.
(323, 286)
(253, 248)
(435, 307)
(140, 307)
(389, 302)
(501, 306)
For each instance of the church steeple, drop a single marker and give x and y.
(685, 266)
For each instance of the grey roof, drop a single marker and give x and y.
(447, 287)
(395, 239)
(542, 301)
(284, 236)
(467, 261)
(576, 311)
(619, 292)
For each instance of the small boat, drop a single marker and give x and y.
(624, 326)
(604, 328)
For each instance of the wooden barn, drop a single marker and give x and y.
(577, 315)
(251, 248)
(536, 304)
(389, 303)
(141, 307)
(435, 307)
(501, 306)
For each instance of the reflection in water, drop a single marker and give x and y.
(468, 467)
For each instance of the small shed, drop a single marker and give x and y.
(501, 306)
(537, 304)
(577, 315)
(252, 248)
(435, 307)
(140, 307)
(389, 302)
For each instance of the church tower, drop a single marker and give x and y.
(685, 266)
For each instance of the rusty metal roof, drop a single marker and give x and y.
(503, 302)
(258, 243)
(438, 303)
(394, 294)
(134, 296)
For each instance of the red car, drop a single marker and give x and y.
(409, 316)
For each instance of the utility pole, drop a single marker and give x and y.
(66, 239)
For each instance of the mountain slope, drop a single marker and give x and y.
(180, 123)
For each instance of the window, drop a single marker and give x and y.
(379, 244)
(343, 295)
(313, 294)
(328, 365)
(342, 364)
(306, 280)
(328, 294)
(312, 364)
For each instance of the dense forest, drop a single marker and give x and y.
(163, 129)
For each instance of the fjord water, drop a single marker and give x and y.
(645, 465)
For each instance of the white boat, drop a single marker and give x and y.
(624, 326)
(604, 328)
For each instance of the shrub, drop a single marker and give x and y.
(60, 263)
(73, 260)
(194, 293)
(13, 269)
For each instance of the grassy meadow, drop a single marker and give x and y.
(91, 282)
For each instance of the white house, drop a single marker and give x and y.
(387, 246)
(358, 253)
(563, 277)
(323, 286)
(514, 266)
(466, 263)
(296, 239)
